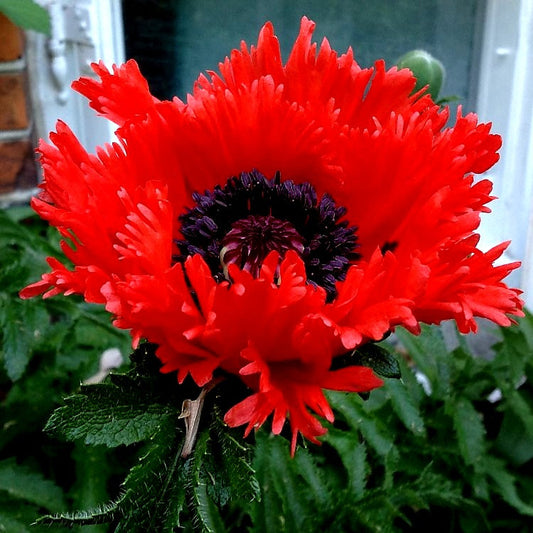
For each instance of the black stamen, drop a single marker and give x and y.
(324, 241)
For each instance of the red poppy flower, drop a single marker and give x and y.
(282, 216)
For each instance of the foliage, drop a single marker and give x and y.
(438, 449)
(47, 347)
(27, 14)
(450, 460)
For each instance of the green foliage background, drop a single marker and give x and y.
(109, 460)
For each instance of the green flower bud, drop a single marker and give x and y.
(428, 70)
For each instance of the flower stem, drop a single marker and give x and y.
(191, 411)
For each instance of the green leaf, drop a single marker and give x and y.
(267, 514)
(92, 477)
(27, 14)
(21, 482)
(525, 326)
(379, 359)
(431, 356)
(391, 467)
(12, 272)
(153, 494)
(469, 430)
(231, 464)
(413, 387)
(16, 514)
(354, 459)
(314, 478)
(514, 441)
(10, 525)
(207, 510)
(106, 414)
(154, 491)
(22, 324)
(431, 488)
(283, 505)
(505, 483)
(371, 427)
(220, 473)
(404, 406)
(24, 237)
(512, 356)
(18, 213)
(99, 515)
(522, 406)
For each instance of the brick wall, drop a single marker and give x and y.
(17, 161)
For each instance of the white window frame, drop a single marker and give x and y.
(505, 98)
(82, 32)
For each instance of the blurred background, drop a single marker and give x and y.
(178, 38)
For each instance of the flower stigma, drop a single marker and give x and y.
(251, 239)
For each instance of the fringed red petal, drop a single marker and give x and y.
(385, 154)
(121, 95)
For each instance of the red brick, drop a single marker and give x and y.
(11, 43)
(13, 113)
(17, 166)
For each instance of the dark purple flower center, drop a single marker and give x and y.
(248, 217)
(251, 239)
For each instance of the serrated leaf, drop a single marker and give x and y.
(411, 383)
(232, 465)
(12, 271)
(313, 477)
(27, 14)
(405, 407)
(525, 324)
(506, 485)
(517, 404)
(282, 506)
(105, 414)
(391, 467)
(207, 510)
(267, 513)
(23, 483)
(480, 485)
(99, 515)
(431, 356)
(469, 430)
(353, 456)
(371, 427)
(513, 355)
(219, 473)
(22, 323)
(430, 488)
(389, 505)
(154, 491)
